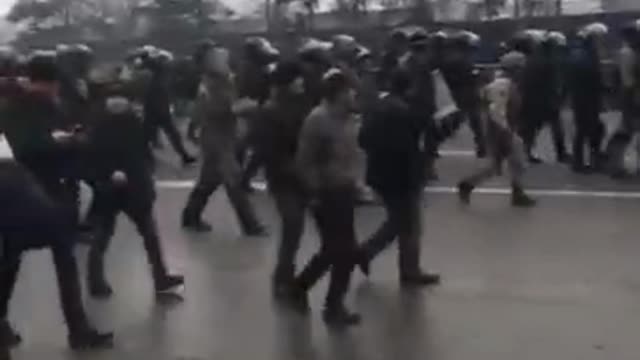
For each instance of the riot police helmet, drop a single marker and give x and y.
(260, 48)
(593, 30)
(315, 51)
(42, 66)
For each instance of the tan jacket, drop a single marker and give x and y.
(328, 152)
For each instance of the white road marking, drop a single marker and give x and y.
(262, 186)
(457, 153)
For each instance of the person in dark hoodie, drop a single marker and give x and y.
(586, 89)
(36, 214)
(123, 180)
(396, 46)
(395, 170)
(459, 71)
(32, 220)
(254, 83)
(280, 122)
(157, 105)
(32, 126)
(541, 98)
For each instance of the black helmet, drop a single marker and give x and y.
(315, 51)
(261, 49)
(42, 66)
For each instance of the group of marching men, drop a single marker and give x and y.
(328, 127)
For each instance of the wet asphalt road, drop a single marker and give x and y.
(560, 281)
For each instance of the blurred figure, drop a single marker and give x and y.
(315, 59)
(458, 69)
(214, 110)
(503, 99)
(280, 122)
(542, 96)
(395, 160)
(629, 68)
(254, 83)
(395, 48)
(419, 63)
(122, 174)
(42, 215)
(586, 90)
(157, 104)
(328, 160)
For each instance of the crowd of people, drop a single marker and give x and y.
(331, 126)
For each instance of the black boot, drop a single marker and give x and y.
(192, 220)
(533, 159)
(168, 283)
(520, 199)
(364, 262)
(298, 300)
(9, 338)
(420, 279)
(96, 280)
(90, 339)
(188, 160)
(196, 224)
(563, 157)
(339, 316)
(192, 213)
(464, 192)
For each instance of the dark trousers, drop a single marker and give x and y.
(619, 142)
(152, 126)
(291, 204)
(252, 167)
(535, 121)
(404, 223)
(334, 216)
(477, 128)
(33, 220)
(221, 170)
(138, 206)
(589, 131)
(68, 285)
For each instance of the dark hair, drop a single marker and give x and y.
(334, 84)
(42, 67)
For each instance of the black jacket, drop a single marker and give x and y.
(157, 99)
(116, 142)
(279, 128)
(28, 121)
(392, 141)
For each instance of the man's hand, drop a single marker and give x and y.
(119, 178)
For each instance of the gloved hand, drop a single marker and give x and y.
(119, 178)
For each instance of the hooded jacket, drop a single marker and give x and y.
(117, 143)
(392, 141)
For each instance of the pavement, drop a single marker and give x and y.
(560, 281)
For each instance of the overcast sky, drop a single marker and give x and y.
(5, 5)
(249, 5)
